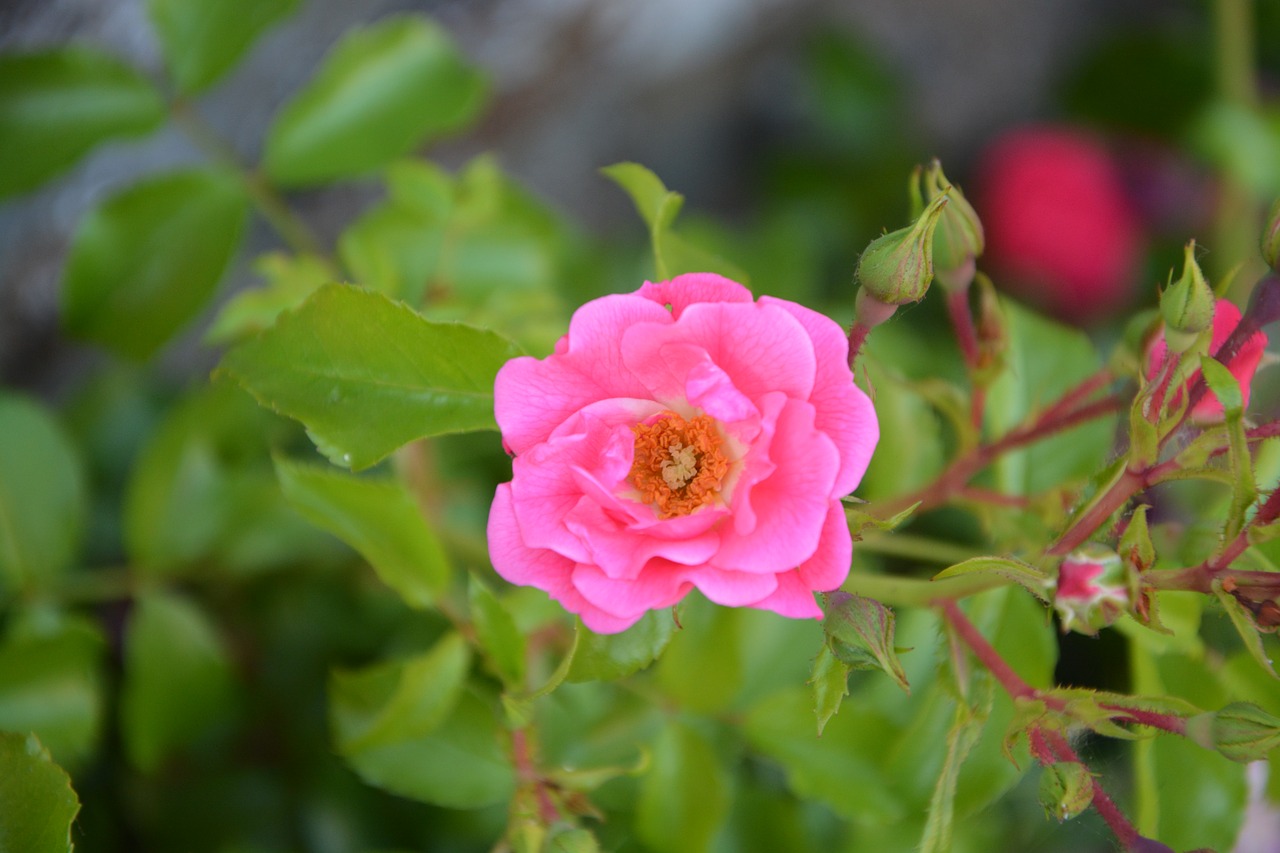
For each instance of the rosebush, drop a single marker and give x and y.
(682, 436)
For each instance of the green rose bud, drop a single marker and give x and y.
(1187, 305)
(897, 267)
(959, 239)
(1066, 789)
(1241, 731)
(1271, 238)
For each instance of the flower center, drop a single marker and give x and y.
(678, 465)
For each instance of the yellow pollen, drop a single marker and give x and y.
(678, 465)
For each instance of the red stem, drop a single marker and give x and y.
(962, 322)
(1124, 831)
(857, 336)
(986, 653)
(1129, 484)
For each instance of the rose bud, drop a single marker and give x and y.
(959, 239)
(1186, 305)
(1092, 592)
(1241, 731)
(897, 267)
(1242, 360)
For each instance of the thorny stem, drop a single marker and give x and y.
(1199, 578)
(1048, 745)
(1057, 418)
(967, 338)
(527, 771)
(857, 336)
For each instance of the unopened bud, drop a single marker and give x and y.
(959, 239)
(1241, 731)
(1271, 238)
(1187, 305)
(1066, 789)
(897, 267)
(1092, 590)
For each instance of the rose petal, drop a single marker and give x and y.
(844, 412)
(622, 553)
(792, 599)
(761, 347)
(734, 589)
(532, 397)
(829, 565)
(791, 506)
(692, 288)
(661, 584)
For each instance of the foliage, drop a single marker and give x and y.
(258, 613)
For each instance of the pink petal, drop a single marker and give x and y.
(734, 589)
(532, 397)
(691, 288)
(791, 506)
(792, 599)
(661, 584)
(622, 553)
(519, 564)
(844, 412)
(761, 347)
(829, 565)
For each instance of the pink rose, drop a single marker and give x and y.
(680, 436)
(1060, 229)
(1226, 316)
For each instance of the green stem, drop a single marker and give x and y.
(912, 547)
(918, 592)
(1234, 57)
(291, 228)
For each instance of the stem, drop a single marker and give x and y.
(914, 547)
(1234, 59)
(857, 336)
(919, 592)
(986, 653)
(962, 322)
(1045, 743)
(291, 228)
(1102, 508)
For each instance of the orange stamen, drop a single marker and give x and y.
(678, 466)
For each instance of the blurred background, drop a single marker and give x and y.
(791, 121)
(1094, 137)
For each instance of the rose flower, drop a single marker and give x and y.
(681, 436)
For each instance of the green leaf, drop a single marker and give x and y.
(382, 92)
(145, 262)
(290, 279)
(203, 492)
(42, 500)
(203, 39)
(607, 657)
(37, 804)
(366, 375)
(659, 207)
(51, 684)
(965, 731)
(1043, 360)
(1016, 571)
(684, 797)
(830, 680)
(840, 768)
(497, 633)
(178, 682)
(399, 701)
(461, 764)
(1244, 626)
(702, 669)
(377, 517)
(57, 105)
(862, 629)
